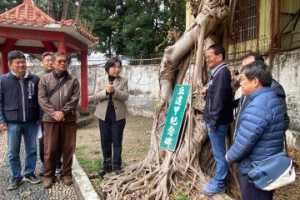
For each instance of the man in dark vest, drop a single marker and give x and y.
(19, 115)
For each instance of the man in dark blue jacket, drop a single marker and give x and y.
(19, 114)
(217, 114)
(259, 129)
(276, 87)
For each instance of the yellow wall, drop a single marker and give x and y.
(189, 18)
(264, 34)
(290, 6)
(262, 43)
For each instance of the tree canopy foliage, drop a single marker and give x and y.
(6, 5)
(132, 28)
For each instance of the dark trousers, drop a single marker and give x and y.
(53, 131)
(59, 150)
(111, 134)
(250, 192)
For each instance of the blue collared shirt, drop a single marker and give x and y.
(215, 69)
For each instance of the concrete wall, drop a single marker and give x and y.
(286, 70)
(144, 88)
(142, 83)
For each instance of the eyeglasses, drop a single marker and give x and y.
(62, 61)
(23, 62)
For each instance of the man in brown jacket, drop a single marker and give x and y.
(58, 97)
(47, 68)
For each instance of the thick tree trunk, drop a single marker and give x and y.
(51, 9)
(78, 13)
(162, 172)
(66, 9)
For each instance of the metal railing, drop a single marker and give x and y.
(153, 61)
(100, 62)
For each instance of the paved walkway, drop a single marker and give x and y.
(28, 191)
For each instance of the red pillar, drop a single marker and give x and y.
(84, 81)
(61, 47)
(4, 62)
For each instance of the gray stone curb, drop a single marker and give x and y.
(83, 121)
(84, 189)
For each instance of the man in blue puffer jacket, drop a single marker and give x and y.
(260, 127)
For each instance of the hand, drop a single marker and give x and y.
(39, 122)
(203, 93)
(3, 127)
(58, 116)
(211, 129)
(110, 88)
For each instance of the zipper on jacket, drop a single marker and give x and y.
(238, 116)
(21, 81)
(209, 105)
(60, 106)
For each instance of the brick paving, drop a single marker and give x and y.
(27, 190)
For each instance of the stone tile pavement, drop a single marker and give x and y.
(27, 190)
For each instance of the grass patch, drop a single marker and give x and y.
(90, 165)
(81, 148)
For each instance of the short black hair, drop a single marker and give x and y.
(257, 56)
(111, 62)
(58, 53)
(15, 55)
(259, 70)
(218, 49)
(47, 53)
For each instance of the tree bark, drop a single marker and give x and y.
(78, 13)
(51, 9)
(65, 10)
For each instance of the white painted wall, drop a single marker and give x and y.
(142, 82)
(286, 70)
(144, 87)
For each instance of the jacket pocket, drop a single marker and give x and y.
(33, 112)
(11, 113)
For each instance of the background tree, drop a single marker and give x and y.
(6, 5)
(65, 9)
(79, 8)
(134, 28)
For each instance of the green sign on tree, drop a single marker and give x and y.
(174, 119)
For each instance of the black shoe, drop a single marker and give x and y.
(58, 170)
(32, 179)
(14, 183)
(41, 171)
(102, 172)
(118, 171)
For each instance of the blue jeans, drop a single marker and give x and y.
(217, 140)
(15, 132)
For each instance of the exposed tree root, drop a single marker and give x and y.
(162, 172)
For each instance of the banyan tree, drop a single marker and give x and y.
(163, 172)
